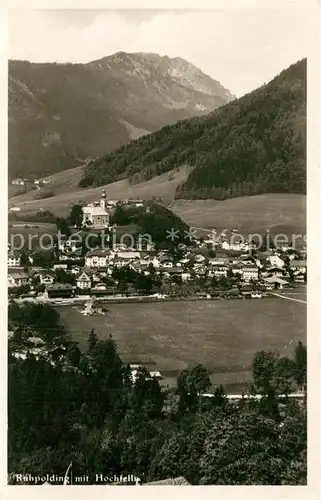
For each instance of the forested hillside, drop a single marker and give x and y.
(59, 115)
(252, 145)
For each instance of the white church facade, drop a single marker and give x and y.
(96, 215)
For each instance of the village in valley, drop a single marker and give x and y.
(214, 265)
(157, 248)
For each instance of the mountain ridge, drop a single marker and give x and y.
(61, 112)
(252, 145)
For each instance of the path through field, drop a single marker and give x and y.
(290, 298)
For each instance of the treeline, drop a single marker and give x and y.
(85, 407)
(252, 145)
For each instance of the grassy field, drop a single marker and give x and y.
(282, 213)
(31, 234)
(222, 335)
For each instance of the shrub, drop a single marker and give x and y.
(86, 181)
(43, 194)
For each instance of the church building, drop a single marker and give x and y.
(96, 215)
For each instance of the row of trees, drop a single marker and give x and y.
(84, 407)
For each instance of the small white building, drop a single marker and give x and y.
(152, 374)
(128, 256)
(13, 259)
(218, 272)
(100, 286)
(250, 273)
(17, 279)
(60, 266)
(97, 258)
(135, 202)
(71, 244)
(275, 261)
(166, 264)
(236, 246)
(299, 265)
(83, 281)
(76, 270)
(275, 282)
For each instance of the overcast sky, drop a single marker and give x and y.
(241, 48)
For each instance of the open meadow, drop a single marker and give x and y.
(31, 235)
(280, 213)
(222, 335)
(66, 191)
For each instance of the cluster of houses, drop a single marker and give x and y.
(93, 272)
(269, 270)
(22, 182)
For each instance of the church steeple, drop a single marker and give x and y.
(103, 200)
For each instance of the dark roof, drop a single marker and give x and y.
(98, 252)
(15, 270)
(217, 259)
(274, 279)
(43, 272)
(74, 253)
(172, 270)
(60, 286)
(17, 275)
(298, 263)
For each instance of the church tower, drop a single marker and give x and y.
(103, 202)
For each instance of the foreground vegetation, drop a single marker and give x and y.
(83, 406)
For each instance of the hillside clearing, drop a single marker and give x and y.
(162, 186)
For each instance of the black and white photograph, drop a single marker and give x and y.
(157, 246)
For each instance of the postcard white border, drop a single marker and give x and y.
(313, 489)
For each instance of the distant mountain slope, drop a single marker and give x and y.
(252, 145)
(62, 114)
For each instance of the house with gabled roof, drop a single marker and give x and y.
(83, 281)
(250, 273)
(14, 259)
(218, 272)
(275, 261)
(60, 290)
(97, 258)
(275, 282)
(46, 278)
(298, 265)
(17, 278)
